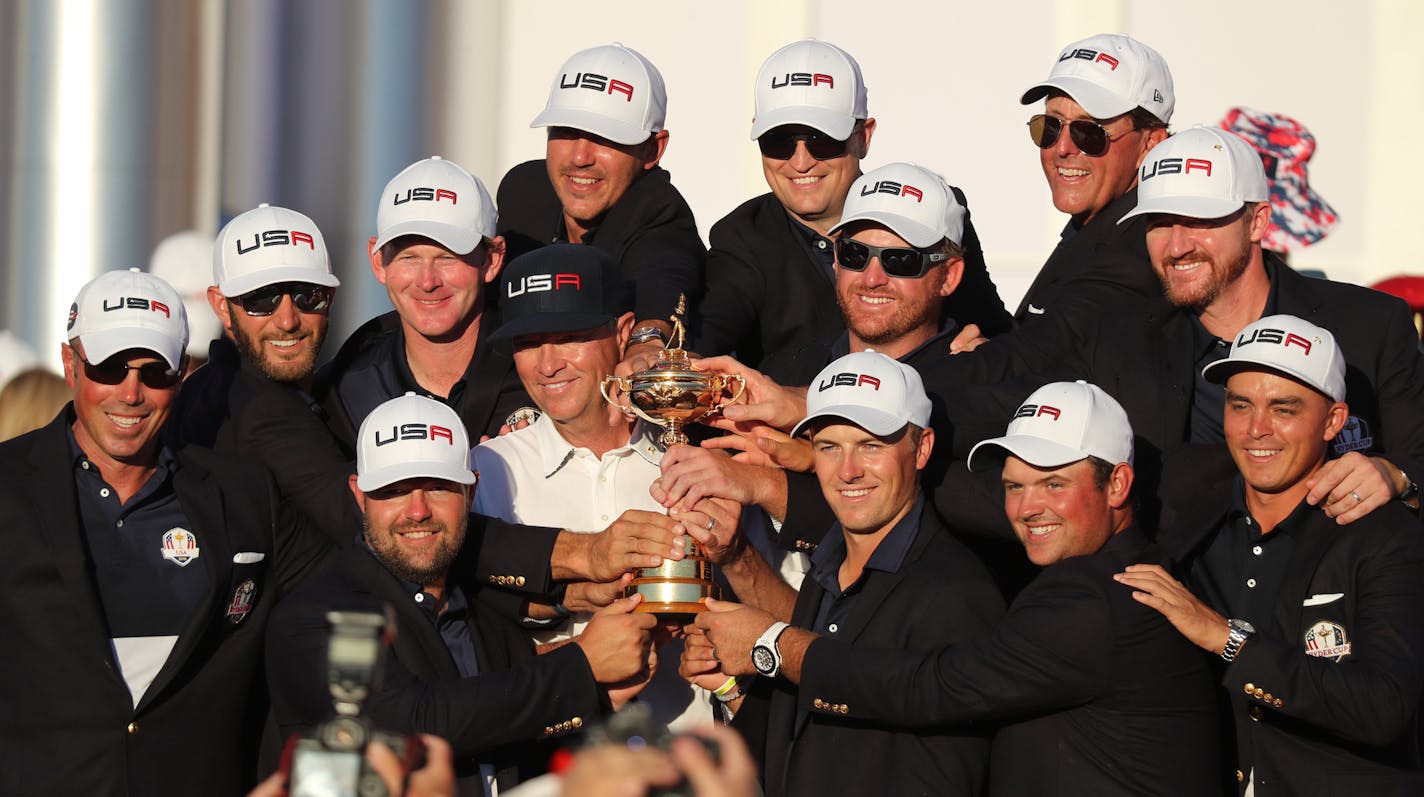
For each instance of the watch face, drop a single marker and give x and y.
(1242, 625)
(763, 659)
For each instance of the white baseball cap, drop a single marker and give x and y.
(121, 310)
(1292, 346)
(914, 202)
(810, 83)
(1110, 74)
(611, 91)
(875, 392)
(439, 200)
(184, 260)
(1201, 172)
(268, 245)
(1061, 423)
(411, 437)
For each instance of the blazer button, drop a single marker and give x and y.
(1250, 688)
(1277, 703)
(519, 581)
(1255, 712)
(818, 703)
(1240, 776)
(133, 728)
(578, 722)
(1269, 697)
(1259, 692)
(548, 731)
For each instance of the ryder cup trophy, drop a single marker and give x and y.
(672, 395)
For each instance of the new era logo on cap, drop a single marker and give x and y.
(1059, 424)
(872, 391)
(611, 91)
(914, 202)
(121, 310)
(1288, 345)
(436, 199)
(810, 83)
(412, 437)
(1108, 75)
(1202, 173)
(268, 245)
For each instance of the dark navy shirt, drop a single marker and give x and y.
(147, 559)
(1242, 569)
(887, 557)
(822, 249)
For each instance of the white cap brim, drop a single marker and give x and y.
(391, 474)
(271, 276)
(589, 122)
(914, 233)
(101, 345)
(1222, 370)
(877, 422)
(1035, 451)
(836, 124)
(1099, 102)
(1195, 207)
(459, 240)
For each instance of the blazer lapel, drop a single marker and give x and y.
(58, 526)
(417, 644)
(202, 503)
(1316, 536)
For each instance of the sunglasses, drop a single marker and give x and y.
(898, 261)
(155, 375)
(781, 145)
(1089, 137)
(264, 301)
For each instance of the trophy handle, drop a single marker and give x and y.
(628, 407)
(727, 380)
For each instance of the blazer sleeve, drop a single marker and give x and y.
(1371, 695)
(295, 445)
(1051, 651)
(727, 314)
(1400, 389)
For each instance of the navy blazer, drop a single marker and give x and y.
(1343, 721)
(69, 725)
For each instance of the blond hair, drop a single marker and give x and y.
(30, 400)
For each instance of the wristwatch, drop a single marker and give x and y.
(645, 334)
(1411, 489)
(766, 654)
(1238, 631)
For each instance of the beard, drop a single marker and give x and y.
(1197, 298)
(283, 371)
(910, 314)
(426, 572)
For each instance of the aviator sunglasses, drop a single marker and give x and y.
(1089, 137)
(264, 301)
(781, 145)
(113, 371)
(898, 261)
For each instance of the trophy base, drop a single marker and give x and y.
(672, 597)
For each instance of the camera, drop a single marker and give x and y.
(331, 760)
(634, 726)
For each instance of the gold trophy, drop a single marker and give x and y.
(672, 395)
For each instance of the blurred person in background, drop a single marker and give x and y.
(30, 400)
(184, 260)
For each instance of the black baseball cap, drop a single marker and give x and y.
(560, 288)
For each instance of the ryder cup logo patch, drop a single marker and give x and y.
(1327, 639)
(1354, 436)
(241, 603)
(180, 546)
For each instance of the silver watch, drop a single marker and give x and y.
(766, 654)
(1238, 631)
